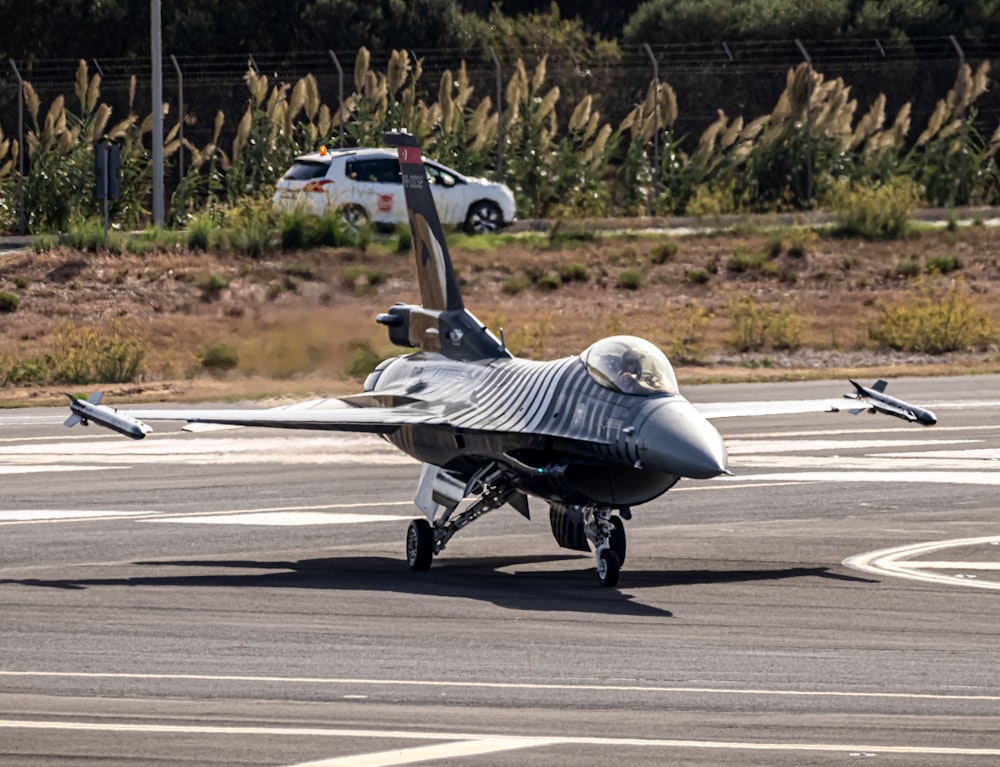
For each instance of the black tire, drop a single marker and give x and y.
(354, 216)
(484, 216)
(609, 568)
(618, 540)
(419, 545)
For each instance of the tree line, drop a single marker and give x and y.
(99, 29)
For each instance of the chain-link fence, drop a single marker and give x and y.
(738, 79)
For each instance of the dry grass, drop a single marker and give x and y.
(290, 319)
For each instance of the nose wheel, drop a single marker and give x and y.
(607, 532)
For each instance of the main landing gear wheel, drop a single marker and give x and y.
(419, 545)
(608, 568)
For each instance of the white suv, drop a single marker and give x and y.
(365, 185)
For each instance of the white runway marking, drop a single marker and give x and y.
(492, 740)
(281, 519)
(749, 446)
(959, 699)
(451, 750)
(42, 468)
(901, 562)
(881, 477)
(41, 515)
(21, 516)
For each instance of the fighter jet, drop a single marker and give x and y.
(591, 435)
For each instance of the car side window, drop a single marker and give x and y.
(379, 171)
(439, 176)
(304, 170)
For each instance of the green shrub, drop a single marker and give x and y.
(755, 327)
(934, 322)
(199, 232)
(212, 286)
(362, 358)
(85, 355)
(630, 279)
(548, 282)
(576, 272)
(27, 371)
(698, 276)
(744, 260)
(9, 303)
(907, 269)
(943, 265)
(21, 283)
(219, 357)
(663, 252)
(876, 212)
(514, 285)
(404, 239)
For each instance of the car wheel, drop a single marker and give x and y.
(484, 216)
(354, 216)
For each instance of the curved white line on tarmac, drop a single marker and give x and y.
(901, 562)
(492, 744)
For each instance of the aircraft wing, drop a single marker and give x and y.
(322, 415)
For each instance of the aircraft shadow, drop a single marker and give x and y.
(488, 579)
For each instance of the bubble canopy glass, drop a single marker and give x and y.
(630, 365)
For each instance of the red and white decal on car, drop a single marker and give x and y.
(385, 203)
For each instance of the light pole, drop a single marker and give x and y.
(157, 54)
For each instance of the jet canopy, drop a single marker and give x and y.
(630, 365)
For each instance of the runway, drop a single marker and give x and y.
(242, 598)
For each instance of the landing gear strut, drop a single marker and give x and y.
(428, 536)
(607, 533)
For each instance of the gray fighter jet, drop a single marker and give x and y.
(591, 435)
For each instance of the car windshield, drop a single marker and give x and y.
(630, 365)
(304, 170)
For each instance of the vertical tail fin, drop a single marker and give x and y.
(441, 323)
(438, 283)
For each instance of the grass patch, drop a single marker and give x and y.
(934, 322)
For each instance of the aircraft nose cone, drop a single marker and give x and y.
(677, 439)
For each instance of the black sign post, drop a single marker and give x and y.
(107, 176)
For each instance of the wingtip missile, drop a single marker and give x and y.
(875, 400)
(86, 410)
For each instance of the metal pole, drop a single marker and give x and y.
(656, 117)
(963, 177)
(809, 93)
(340, 96)
(157, 56)
(500, 135)
(20, 147)
(180, 128)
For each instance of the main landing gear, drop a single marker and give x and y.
(492, 488)
(580, 527)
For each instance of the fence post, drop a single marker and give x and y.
(964, 135)
(157, 56)
(656, 119)
(500, 136)
(20, 147)
(809, 141)
(340, 96)
(180, 132)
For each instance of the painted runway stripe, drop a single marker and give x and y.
(901, 562)
(280, 519)
(527, 686)
(453, 750)
(529, 741)
(881, 477)
(43, 468)
(48, 515)
(84, 515)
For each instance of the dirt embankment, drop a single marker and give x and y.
(294, 321)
